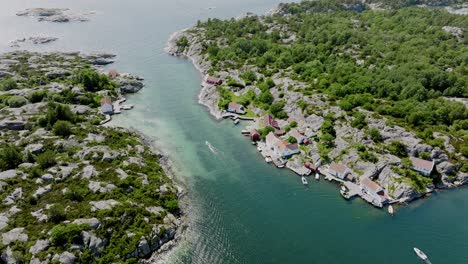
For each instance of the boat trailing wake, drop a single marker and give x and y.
(212, 148)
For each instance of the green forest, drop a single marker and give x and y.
(399, 63)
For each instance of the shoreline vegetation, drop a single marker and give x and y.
(365, 94)
(73, 190)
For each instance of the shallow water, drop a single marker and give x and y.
(244, 211)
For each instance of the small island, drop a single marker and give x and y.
(365, 94)
(72, 190)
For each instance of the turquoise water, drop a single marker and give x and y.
(243, 210)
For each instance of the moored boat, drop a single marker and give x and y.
(304, 180)
(420, 254)
(391, 210)
(317, 176)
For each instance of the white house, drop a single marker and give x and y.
(298, 136)
(236, 108)
(339, 170)
(424, 167)
(279, 147)
(106, 106)
(375, 191)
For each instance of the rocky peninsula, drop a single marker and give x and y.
(70, 189)
(260, 61)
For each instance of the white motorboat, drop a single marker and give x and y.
(391, 210)
(212, 149)
(268, 160)
(304, 180)
(420, 254)
(317, 176)
(236, 122)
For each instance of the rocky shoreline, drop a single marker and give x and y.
(188, 43)
(161, 255)
(49, 127)
(208, 96)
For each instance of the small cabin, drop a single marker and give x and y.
(424, 167)
(213, 80)
(106, 106)
(236, 108)
(254, 135)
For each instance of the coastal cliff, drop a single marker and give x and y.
(373, 143)
(70, 189)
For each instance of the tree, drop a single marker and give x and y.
(56, 112)
(91, 80)
(62, 128)
(292, 140)
(266, 97)
(182, 43)
(265, 131)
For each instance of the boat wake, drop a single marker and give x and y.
(212, 148)
(428, 261)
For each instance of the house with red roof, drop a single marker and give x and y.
(339, 170)
(268, 120)
(375, 191)
(300, 138)
(424, 167)
(106, 106)
(213, 80)
(254, 135)
(236, 108)
(280, 147)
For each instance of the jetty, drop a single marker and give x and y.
(237, 116)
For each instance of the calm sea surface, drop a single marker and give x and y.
(243, 210)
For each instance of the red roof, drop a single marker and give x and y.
(338, 167)
(106, 100)
(371, 185)
(310, 166)
(270, 121)
(424, 164)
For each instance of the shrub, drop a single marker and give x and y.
(57, 112)
(8, 84)
(62, 128)
(398, 149)
(425, 155)
(46, 159)
(62, 234)
(56, 213)
(375, 135)
(17, 101)
(359, 121)
(37, 96)
(292, 140)
(464, 151)
(172, 205)
(10, 157)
